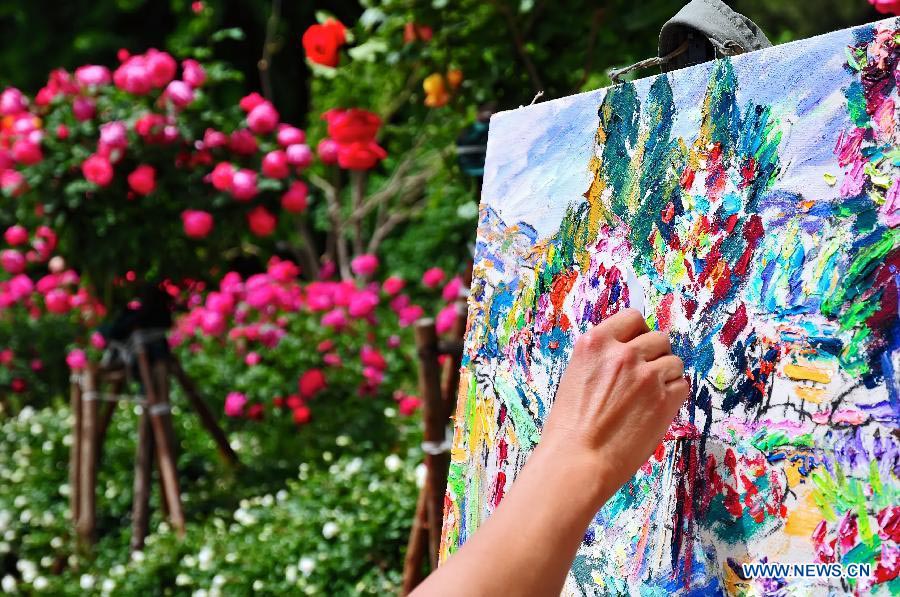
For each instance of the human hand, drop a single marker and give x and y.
(621, 390)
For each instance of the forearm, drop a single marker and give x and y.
(528, 544)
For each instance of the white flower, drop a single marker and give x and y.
(330, 529)
(390, 413)
(87, 582)
(306, 565)
(39, 584)
(47, 561)
(218, 580)
(28, 570)
(290, 574)
(342, 440)
(200, 593)
(37, 429)
(393, 463)
(20, 501)
(182, 580)
(137, 556)
(189, 561)
(258, 585)
(117, 570)
(204, 557)
(108, 585)
(231, 557)
(281, 495)
(354, 466)
(421, 474)
(327, 456)
(4, 547)
(8, 584)
(64, 490)
(5, 518)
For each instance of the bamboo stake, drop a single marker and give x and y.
(75, 450)
(161, 422)
(207, 418)
(436, 463)
(87, 512)
(416, 547)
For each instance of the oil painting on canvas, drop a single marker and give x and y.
(751, 208)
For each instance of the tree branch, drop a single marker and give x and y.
(519, 43)
(265, 62)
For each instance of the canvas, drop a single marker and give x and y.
(751, 208)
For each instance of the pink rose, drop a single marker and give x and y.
(393, 285)
(290, 135)
(12, 102)
(6, 356)
(192, 73)
(294, 199)
(12, 261)
(222, 176)
(452, 289)
(433, 277)
(15, 235)
(243, 185)
(197, 224)
(409, 315)
(275, 164)
(299, 155)
(370, 357)
(98, 170)
(161, 67)
(408, 405)
(311, 383)
(114, 135)
(886, 6)
(262, 119)
(92, 75)
(443, 323)
(252, 359)
(335, 319)
(243, 142)
(57, 301)
(98, 341)
(26, 152)
(250, 101)
(212, 323)
(76, 360)
(179, 93)
(332, 359)
(234, 404)
(142, 180)
(133, 76)
(83, 109)
(261, 221)
(213, 139)
(364, 265)
(328, 151)
(362, 304)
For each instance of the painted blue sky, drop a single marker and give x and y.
(538, 155)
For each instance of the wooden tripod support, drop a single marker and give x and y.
(438, 390)
(156, 436)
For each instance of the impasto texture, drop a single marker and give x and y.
(751, 208)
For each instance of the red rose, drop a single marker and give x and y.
(360, 156)
(98, 170)
(355, 124)
(261, 221)
(886, 6)
(301, 415)
(294, 199)
(142, 180)
(311, 383)
(322, 42)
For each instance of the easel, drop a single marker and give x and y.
(155, 432)
(438, 401)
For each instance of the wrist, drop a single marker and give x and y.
(578, 470)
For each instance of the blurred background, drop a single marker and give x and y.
(284, 188)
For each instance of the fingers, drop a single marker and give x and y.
(670, 367)
(653, 345)
(678, 389)
(624, 326)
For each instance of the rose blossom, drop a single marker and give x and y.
(311, 383)
(299, 155)
(328, 151)
(142, 180)
(83, 108)
(294, 199)
(433, 277)
(392, 285)
(76, 360)
(250, 101)
(15, 235)
(193, 73)
(179, 93)
(197, 224)
(445, 319)
(290, 135)
(12, 261)
(261, 221)
(275, 164)
(57, 301)
(12, 101)
(98, 170)
(243, 185)
(92, 75)
(364, 265)
(262, 119)
(234, 404)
